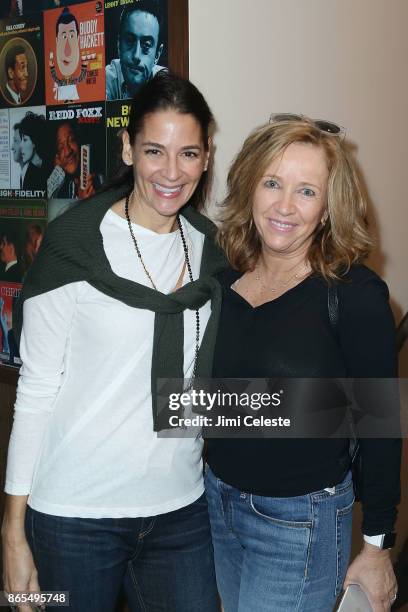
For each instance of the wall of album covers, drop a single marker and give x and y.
(66, 76)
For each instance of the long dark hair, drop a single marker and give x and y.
(34, 126)
(167, 91)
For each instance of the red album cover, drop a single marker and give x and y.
(22, 226)
(74, 53)
(9, 292)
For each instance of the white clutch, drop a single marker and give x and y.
(354, 600)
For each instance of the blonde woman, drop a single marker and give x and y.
(294, 222)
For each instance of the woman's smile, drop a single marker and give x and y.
(167, 192)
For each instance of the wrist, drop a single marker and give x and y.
(374, 552)
(12, 531)
(13, 538)
(383, 541)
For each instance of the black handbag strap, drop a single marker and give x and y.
(333, 311)
(333, 306)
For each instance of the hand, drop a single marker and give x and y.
(89, 188)
(372, 570)
(19, 571)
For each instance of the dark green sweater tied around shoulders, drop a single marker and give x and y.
(72, 251)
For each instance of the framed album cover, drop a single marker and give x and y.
(164, 41)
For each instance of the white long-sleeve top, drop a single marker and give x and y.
(82, 442)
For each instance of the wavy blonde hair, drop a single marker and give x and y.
(344, 238)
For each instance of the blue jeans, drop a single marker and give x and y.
(165, 562)
(287, 554)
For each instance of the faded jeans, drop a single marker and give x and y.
(287, 554)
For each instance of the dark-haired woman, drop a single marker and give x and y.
(35, 170)
(109, 307)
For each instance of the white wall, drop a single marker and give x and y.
(344, 60)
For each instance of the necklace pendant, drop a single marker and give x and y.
(295, 277)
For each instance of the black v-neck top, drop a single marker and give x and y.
(292, 336)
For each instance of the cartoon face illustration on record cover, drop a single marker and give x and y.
(74, 53)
